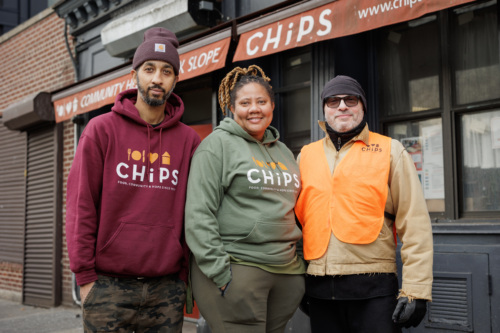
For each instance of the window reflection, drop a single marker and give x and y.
(424, 142)
(476, 53)
(295, 95)
(408, 66)
(481, 161)
(296, 68)
(298, 118)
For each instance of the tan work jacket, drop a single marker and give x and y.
(405, 200)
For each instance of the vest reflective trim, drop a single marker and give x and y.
(351, 202)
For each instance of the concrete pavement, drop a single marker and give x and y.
(16, 317)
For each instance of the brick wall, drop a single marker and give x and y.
(34, 58)
(11, 279)
(68, 154)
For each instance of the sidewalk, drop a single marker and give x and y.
(16, 317)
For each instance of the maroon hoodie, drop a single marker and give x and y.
(126, 193)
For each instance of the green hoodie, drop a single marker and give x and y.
(240, 199)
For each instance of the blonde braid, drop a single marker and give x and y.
(230, 80)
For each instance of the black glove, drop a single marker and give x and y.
(408, 313)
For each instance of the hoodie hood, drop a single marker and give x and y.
(271, 134)
(127, 192)
(174, 109)
(241, 195)
(125, 105)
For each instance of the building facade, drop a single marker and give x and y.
(33, 62)
(430, 69)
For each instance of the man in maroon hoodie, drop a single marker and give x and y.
(125, 201)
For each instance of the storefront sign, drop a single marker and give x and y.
(193, 63)
(336, 19)
(204, 60)
(91, 99)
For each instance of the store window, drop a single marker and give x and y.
(434, 119)
(15, 12)
(476, 82)
(424, 142)
(295, 98)
(197, 103)
(408, 67)
(481, 161)
(476, 53)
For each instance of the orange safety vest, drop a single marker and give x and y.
(351, 202)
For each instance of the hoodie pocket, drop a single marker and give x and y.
(275, 241)
(264, 231)
(139, 249)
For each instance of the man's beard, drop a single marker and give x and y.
(151, 101)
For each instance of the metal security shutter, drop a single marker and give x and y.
(12, 194)
(42, 258)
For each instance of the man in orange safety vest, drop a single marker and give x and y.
(359, 190)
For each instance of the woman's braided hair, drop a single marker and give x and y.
(238, 78)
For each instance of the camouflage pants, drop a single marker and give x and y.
(135, 305)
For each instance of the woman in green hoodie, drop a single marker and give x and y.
(240, 224)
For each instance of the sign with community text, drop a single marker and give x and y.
(193, 63)
(336, 19)
(92, 98)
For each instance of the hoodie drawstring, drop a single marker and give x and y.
(149, 150)
(159, 153)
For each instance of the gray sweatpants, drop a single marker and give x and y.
(255, 301)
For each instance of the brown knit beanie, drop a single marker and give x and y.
(159, 44)
(343, 85)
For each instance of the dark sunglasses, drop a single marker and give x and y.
(334, 101)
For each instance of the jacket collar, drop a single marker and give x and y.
(363, 136)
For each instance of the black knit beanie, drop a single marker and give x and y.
(159, 44)
(343, 85)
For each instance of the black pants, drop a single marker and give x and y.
(372, 315)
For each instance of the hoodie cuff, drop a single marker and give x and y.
(183, 275)
(85, 277)
(223, 279)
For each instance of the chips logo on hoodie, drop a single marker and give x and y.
(272, 173)
(138, 162)
(137, 173)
